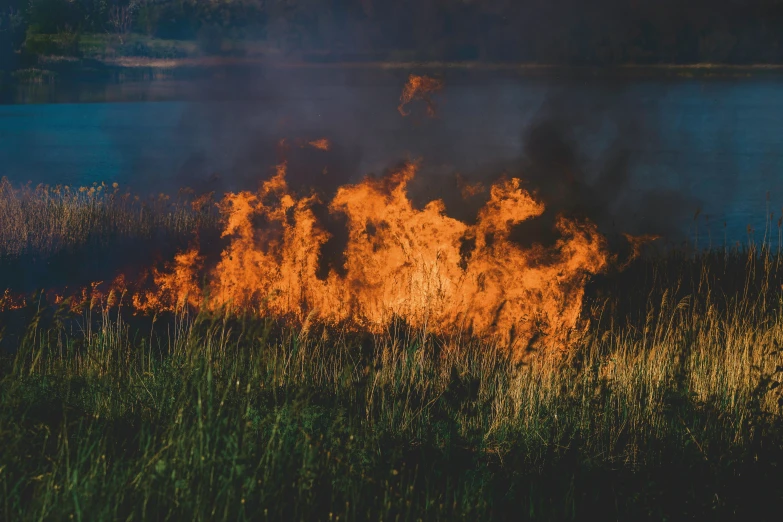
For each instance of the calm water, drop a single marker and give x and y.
(717, 144)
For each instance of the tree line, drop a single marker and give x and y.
(598, 32)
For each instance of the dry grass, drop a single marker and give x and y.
(43, 220)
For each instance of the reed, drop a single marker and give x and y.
(44, 219)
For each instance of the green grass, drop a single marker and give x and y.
(668, 406)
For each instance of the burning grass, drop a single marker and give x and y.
(399, 261)
(223, 417)
(68, 239)
(665, 404)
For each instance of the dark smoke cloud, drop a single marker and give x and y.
(556, 164)
(580, 154)
(578, 143)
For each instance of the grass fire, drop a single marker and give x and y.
(399, 262)
(291, 352)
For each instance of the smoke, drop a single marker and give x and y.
(578, 144)
(584, 151)
(234, 127)
(582, 155)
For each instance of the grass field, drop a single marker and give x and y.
(667, 406)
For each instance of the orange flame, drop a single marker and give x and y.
(636, 243)
(420, 265)
(320, 144)
(174, 289)
(202, 202)
(469, 190)
(96, 296)
(419, 88)
(9, 301)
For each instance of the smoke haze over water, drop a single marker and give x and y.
(643, 153)
(575, 145)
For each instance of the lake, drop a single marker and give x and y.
(681, 145)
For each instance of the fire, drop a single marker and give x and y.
(469, 190)
(435, 272)
(420, 265)
(636, 243)
(320, 144)
(203, 201)
(419, 88)
(98, 295)
(8, 301)
(283, 144)
(272, 268)
(176, 288)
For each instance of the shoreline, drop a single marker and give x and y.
(133, 63)
(325, 62)
(54, 68)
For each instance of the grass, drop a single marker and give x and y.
(34, 75)
(667, 407)
(44, 220)
(71, 237)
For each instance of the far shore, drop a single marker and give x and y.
(57, 69)
(327, 62)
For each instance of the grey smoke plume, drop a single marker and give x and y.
(576, 143)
